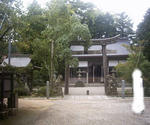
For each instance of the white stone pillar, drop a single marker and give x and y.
(87, 77)
(47, 89)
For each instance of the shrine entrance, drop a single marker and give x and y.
(95, 73)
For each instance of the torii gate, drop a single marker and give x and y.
(103, 42)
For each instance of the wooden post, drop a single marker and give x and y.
(102, 77)
(67, 80)
(87, 77)
(12, 90)
(104, 66)
(11, 99)
(93, 73)
(2, 89)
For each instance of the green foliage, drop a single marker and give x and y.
(124, 71)
(104, 26)
(3, 50)
(30, 27)
(86, 12)
(136, 60)
(22, 91)
(41, 91)
(123, 25)
(58, 13)
(62, 22)
(39, 78)
(9, 13)
(100, 24)
(143, 33)
(56, 91)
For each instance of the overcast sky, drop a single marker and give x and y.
(135, 9)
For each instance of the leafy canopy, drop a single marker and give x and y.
(143, 33)
(62, 27)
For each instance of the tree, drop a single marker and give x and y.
(143, 33)
(62, 27)
(82, 9)
(136, 60)
(32, 23)
(104, 26)
(9, 13)
(86, 12)
(123, 25)
(101, 24)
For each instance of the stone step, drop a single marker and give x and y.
(89, 85)
(83, 90)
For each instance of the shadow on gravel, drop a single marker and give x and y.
(29, 111)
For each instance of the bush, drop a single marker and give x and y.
(124, 71)
(55, 91)
(79, 84)
(135, 60)
(41, 91)
(22, 91)
(146, 88)
(147, 92)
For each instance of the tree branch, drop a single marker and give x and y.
(2, 22)
(1, 37)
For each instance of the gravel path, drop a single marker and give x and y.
(78, 110)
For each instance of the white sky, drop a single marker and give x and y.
(135, 9)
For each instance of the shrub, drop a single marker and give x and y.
(79, 84)
(135, 60)
(55, 91)
(41, 91)
(22, 91)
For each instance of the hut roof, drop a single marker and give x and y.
(17, 61)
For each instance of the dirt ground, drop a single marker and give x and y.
(29, 110)
(78, 110)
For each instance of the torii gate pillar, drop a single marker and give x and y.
(104, 65)
(104, 42)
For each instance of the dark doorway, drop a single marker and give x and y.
(94, 73)
(97, 73)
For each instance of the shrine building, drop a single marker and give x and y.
(90, 67)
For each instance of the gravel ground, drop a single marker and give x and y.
(78, 110)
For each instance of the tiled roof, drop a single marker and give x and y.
(118, 47)
(77, 48)
(95, 47)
